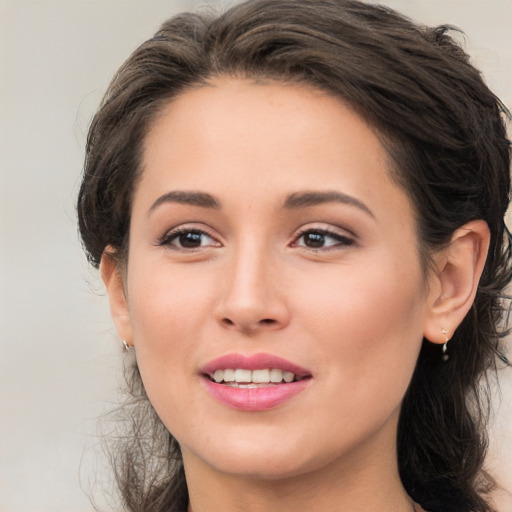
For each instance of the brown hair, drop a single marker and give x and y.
(444, 131)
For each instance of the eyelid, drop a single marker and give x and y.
(173, 233)
(344, 237)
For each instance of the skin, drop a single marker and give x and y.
(352, 309)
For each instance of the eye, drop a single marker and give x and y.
(186, 238)
(322, 238)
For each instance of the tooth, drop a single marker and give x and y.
(243, 375)
(260, 376)
(276, 375)
(218, 375)
(229, 375)
(288, 376)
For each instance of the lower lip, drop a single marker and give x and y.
(255, 399)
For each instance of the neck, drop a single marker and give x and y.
(275, 496)
(362, 481)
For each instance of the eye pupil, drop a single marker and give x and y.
(314, 240)
(190, 239)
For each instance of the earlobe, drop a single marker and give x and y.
(459, 267)
(117, 298)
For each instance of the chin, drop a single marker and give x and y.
(279, 458)
(266, 467)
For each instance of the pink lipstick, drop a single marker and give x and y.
(254, 383)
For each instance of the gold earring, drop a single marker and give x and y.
(126, 346)
(445, 345)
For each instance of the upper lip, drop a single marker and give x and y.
(254, 362)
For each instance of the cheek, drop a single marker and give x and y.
(370, 318)
(165, 303)
(167, 311)
(367, 332)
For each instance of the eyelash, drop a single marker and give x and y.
(342, 241)
(173, 235)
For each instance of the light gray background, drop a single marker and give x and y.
(59, 356)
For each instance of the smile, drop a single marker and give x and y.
(254, 383)
(252, 378)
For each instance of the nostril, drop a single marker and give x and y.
(264, 321)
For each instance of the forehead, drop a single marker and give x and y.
(264, 140)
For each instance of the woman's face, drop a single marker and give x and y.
(268, 242)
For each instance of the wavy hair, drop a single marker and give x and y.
(445, 134)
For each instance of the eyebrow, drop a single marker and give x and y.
(293, 201)
(200, 199)
(304, 199)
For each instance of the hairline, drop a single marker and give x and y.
(388, 143)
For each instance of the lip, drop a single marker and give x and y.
(254, 399)
(254, 362)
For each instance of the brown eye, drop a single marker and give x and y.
(322, 239)
(188, 239)
(314, 240)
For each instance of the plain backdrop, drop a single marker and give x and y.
(60, 360)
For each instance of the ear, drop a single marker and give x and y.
(454, 283)
(113, 281)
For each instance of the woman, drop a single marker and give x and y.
(297, 210)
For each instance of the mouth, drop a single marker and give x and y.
(254, 383)
(251, 379)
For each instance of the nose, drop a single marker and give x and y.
(253, 295)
